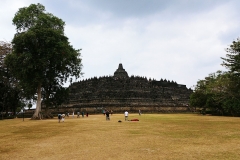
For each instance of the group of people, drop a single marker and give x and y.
(61, 117)
(125, 115)
(106, 112)
(108, 117)
(78, 114)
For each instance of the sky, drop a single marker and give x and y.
(179, 40)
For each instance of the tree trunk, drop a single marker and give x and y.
(47, 113)
(37, 114)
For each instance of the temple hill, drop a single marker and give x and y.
(121, 92)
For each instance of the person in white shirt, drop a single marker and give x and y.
(126, 115)
(63, 117)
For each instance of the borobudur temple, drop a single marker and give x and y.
(122, 92)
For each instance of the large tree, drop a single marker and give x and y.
(220, 91)
(232, 62)
(41, 53)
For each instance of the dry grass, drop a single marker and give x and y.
(155, 136)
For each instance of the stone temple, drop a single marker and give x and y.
(123, 92)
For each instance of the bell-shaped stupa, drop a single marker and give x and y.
(120, 72)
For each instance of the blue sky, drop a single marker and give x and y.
(179, 40)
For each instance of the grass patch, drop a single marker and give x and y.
(155, 136)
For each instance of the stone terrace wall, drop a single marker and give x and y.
(134, 93)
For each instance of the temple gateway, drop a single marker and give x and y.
(121, 92)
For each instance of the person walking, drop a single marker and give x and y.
(107, 115)
(63, 117)
(126, 115)
(78, 114)
(59, 118)
(82, 114)
(139, 112)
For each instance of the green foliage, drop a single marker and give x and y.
(232, 106)
(198, 99)
(42, 55)
(220, 91)
(57, 98)
(232, 60)
(10, 93)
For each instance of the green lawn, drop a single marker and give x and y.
(154, 136)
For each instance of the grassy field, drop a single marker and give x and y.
(154, 136)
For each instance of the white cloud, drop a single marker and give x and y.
(178, 41)
(8, 8)
(183, 50)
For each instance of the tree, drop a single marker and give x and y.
(217, 94)
(232, 62)
(220, 91)
(5, 48)
(41, 53)
(10, 94)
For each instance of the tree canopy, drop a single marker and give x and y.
(10, 93)
(220, 92)
(41, 55)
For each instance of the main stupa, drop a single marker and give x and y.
(120, 72)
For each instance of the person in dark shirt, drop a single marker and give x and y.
(107, 115)
(82, 114)
(59, 118)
